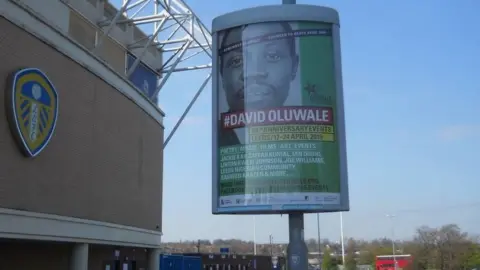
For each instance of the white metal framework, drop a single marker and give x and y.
(175, 29)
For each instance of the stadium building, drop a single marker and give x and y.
(81, 146)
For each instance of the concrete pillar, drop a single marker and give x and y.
(79, 259)
(153, 259)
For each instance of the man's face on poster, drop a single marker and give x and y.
(258, 75)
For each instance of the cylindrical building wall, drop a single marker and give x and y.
(104, 161)
(81, 143)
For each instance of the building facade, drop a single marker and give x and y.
(92, 198)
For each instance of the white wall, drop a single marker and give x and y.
(57, 13)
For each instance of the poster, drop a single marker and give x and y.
(277, 142)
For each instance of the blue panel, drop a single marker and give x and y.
(192, 263)
(171, 262)
(143, 77)
(166, 263)
(224, 250)
(178, 263)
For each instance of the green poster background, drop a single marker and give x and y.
(318, 89)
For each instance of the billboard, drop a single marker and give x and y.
(143, 77)
(278, 129)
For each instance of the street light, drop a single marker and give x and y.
(391, 217)
(271, 245)
(342, 238)
(318, 238)
(254, 236)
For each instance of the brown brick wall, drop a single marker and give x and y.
(104, 161)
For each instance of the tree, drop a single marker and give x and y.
(471, 258)
(264, 249)
(204, 242)
(374, 248)
(328, 263)
(366, 257)
(441, 248)
(350, 262)
(312, 244)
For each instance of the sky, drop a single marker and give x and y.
(411, 83)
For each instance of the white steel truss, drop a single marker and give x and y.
(172, 27)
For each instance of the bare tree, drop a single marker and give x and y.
(443, 248)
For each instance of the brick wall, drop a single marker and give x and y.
(104, 161)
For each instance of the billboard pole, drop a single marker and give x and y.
(297, 250)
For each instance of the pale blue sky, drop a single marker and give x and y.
(411, 79)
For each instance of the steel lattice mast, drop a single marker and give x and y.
(173, 27)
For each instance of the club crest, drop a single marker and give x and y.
(32, 109)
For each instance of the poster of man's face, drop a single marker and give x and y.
(257, 70)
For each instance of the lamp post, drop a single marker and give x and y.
(318, 238)
(342, 238)
(391, 217)
(271, 245)
(254, 236)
